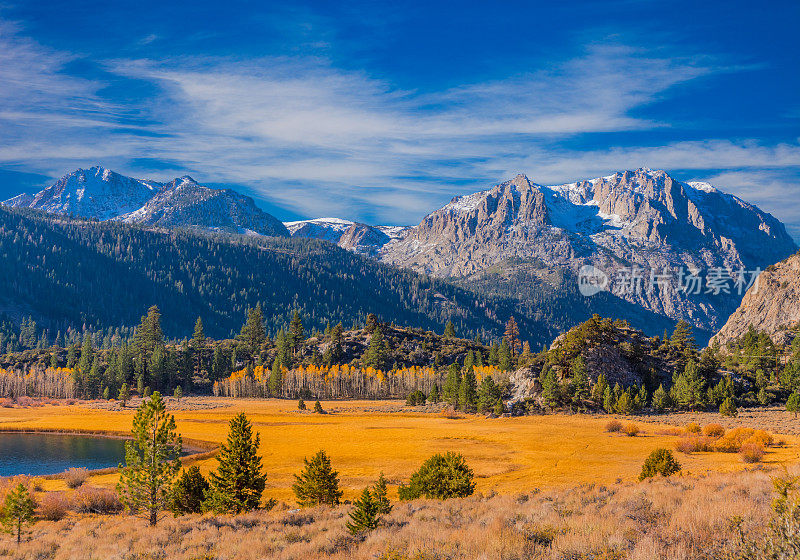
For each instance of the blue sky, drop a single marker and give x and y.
(382, 111)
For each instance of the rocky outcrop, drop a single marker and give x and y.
(772, 305)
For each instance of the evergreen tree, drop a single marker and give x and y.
(467, 392)
(793, 403)
(452, 384)
(441, 477)
(283, 349)
(94, 379)
(318, 407)
(237, 484)
(364, 515)
(661, 400)
(609, 400)
(17, 511)
(550, 388)
(199, 345)
(449, 330)
(499, 409)
(275, 379)
(512, 336)
(580, 380)
(728, 408)
(301, 404)
(377, 351)
(488, 394)
(296, 332)
(599, 389)
(218, 367)
(433, 396)
(152, 459)
(318, 483)
(380, 495)
(189, 492)
(504, 356)
(84, 366)
(124, 394)
(253, 333)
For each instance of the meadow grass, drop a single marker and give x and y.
(363, 438)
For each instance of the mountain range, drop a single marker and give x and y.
(517, 239)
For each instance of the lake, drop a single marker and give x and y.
(40, 453)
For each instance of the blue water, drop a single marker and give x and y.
(39, 454)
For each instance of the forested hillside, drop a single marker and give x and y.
(76, 273)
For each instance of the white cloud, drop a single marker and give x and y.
(320, 140)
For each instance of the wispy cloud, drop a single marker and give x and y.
(320, 140)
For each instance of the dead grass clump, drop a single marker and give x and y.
(613, 425)
(53, 506)
(76, 476)
(451, 414)
(714, 430)
(751, 452)
(631, 430)
(89, 499)
(6, 402)
(693, 444)
(671, 431)
(693, 428)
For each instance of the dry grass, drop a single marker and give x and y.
(751, 452)
(75, 476)
(363, 438)
(668, 519)
(631, 430)
(714, 430)
(613, 425)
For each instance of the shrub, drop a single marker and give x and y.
(613, 426)
(53, 506)
(694, 443)
(693, 428)
(660, 461)
(89, 499)
(732, 441)
(714, 430)
(440, 477)
(751, 452)
(761, 438)
(416, 398)
(76, 476)
(301, 404)
(631, 430)
(318, 408)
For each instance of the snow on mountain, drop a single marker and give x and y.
(102, 194)
(641, 219)
(354, 236)
(96, 192)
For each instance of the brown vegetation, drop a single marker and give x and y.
(636, 521)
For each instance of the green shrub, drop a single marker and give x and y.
(728, 408)
(661, 461)
(440, 477)
(189, 492)
(416, 398)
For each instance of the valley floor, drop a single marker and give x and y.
(363, 438)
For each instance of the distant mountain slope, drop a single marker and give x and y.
(185, 203)
(67, 272)
(97, 193)
(772, 305)
(102, 194)
(354, 236)
(641, 219)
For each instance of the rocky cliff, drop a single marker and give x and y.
(771, 305)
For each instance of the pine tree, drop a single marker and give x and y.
(609, 400)
(661, 400)
(467, 392)
(452, 384)
(512, 336)
(550, 388)
(599, 390)
(17, 511)
(318, 407)
(433, 396)
(364, 516)
(237, 484)
(199, 345)
(380, 495)
(449, 330)
(152, 459)
(499, 409)
(728, 408)
(301, 404)
(377, 351)
(275, 379)
(253, 333)
(488, 394)
(189, 492)
(124, 394)
(504, 356)
(580, 380)
(318, 483)
(793, 403)
(296, 332)
(84, 366)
